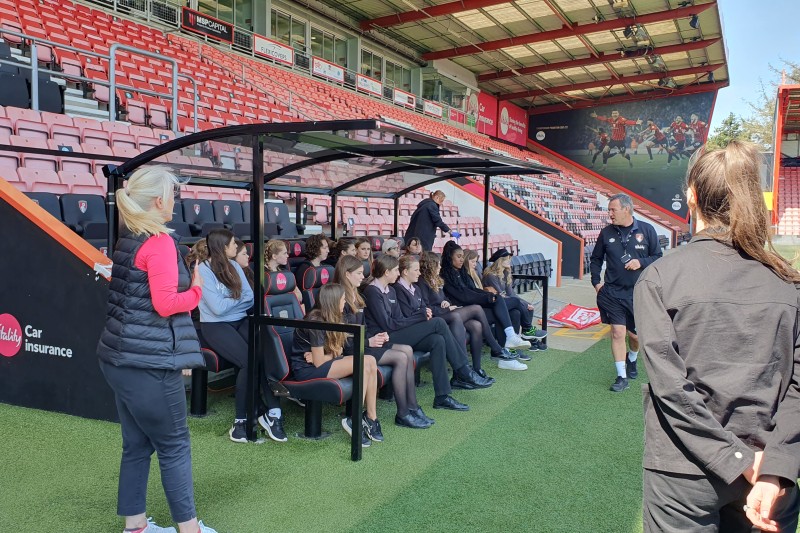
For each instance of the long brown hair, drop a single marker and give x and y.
(345, 265)
(198, 253)
(248, 272)
(328, 310)
(429, 266)
(221, 265)
(502, 273)
(468, 256)
(728, 193)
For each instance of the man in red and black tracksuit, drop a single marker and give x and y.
(657, 138)
(678, 128)
(619, 129)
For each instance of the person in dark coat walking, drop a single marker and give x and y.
(426, 219)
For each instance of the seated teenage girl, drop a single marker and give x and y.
(223, 321)
(364, 253)
(421, 331)
(497, 277)
(460, 289)
(276, 257)
(411, 301)
(471, 319)
(349, 274)
(317, 249)
(243, 260)
(327, 354)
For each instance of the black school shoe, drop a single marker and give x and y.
(448, 402)
(419, 413)
(411, 421)
(620, 385)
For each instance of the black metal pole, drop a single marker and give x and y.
(298, 209)
(357, 400)
(396, 217)
(333, 216)
(112, 213)
(257, 217)
(487, 181)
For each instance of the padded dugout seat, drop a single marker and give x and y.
(312, 280)
(198, 405)
(199, 214)
(85, 214)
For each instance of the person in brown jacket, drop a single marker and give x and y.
(719, 323)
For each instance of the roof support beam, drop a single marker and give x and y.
(689, 89)
(616, 81)
(606, 57)
(569, 31)
(449, 8)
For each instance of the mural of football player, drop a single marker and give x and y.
(678, 129)
(656, 138)
(619, 130)
(602, 144)
(699, 131)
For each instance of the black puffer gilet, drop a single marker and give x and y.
(135, 335)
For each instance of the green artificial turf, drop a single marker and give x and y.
(550, 449)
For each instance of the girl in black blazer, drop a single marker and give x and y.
(461, 290)
(349, 274)
(421, 331)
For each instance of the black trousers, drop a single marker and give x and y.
(433, 336)
(683, 503)
(230, 341)
(152, 415)
(517, 306)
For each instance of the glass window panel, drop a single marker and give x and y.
(341, 52)
(316, 42)
(243, 13)
(298, 34)
(225, 10)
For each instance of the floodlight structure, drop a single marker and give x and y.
(694, 22)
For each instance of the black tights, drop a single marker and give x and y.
(470, 323)
(401, 358)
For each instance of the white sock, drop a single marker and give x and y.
(633, 355)
(509, 331)
(621, 369)
(275, 412)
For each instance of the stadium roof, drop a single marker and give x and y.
(345, 157)
(549, 55)
(789, 102)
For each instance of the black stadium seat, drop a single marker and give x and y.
(85, 214)
(228, 212)
(199, 214)
(214, 363)
(278, 213)
(13, 90)
(47, 201)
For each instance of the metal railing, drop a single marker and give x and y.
(35, 42)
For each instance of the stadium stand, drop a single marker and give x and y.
(225, 98)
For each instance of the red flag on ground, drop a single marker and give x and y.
(575, 316)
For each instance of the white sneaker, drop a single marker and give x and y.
(515, 341)
(511, 364)
(152, 527)
(205, 529)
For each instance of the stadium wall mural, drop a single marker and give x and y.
(643, 147)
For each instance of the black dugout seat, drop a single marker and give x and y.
(313, 279)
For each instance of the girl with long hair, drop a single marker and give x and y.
(328, 354)
(422, 331)
(462, 289)
(413, 247)
(344, 246)
(719, 323)
(226, 329)
(243, 260)
(148, 339)
(349, 274)
(317, 250)
(464, 322)
(497, 277)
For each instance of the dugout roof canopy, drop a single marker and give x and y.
(789, 108)
(553, 55)
(366, 158)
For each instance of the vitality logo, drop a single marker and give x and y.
(10, 335)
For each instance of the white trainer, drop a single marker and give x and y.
(515, 341)
(511, 364)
